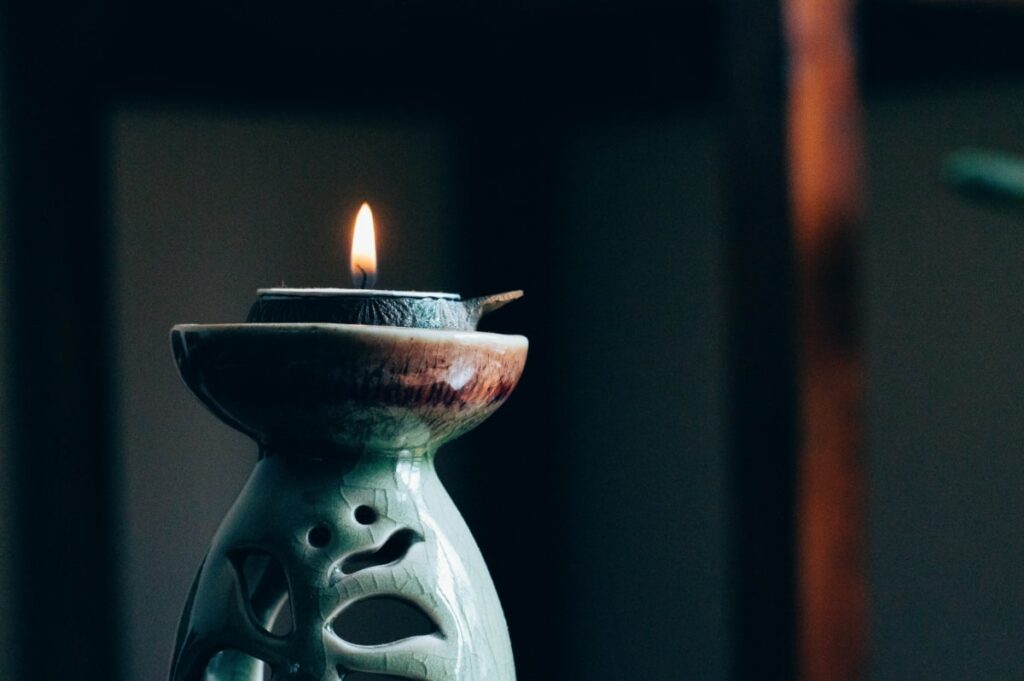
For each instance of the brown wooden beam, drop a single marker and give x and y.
(825, 186)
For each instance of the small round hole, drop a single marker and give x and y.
(366, 515)
(319, 537)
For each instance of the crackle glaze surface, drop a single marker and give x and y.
(347, 417)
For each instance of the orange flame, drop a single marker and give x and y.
(363, 260)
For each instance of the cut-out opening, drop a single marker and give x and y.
(319, 537)
(369, 676)
(266, 588)
(393, 550)
(382, 619)
(228, 665)
(282, 623)
(365, 515)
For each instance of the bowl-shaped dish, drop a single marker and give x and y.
(320, 389)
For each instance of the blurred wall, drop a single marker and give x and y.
(642, 294)
(945, 328)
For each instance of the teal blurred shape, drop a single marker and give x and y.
(993, 177)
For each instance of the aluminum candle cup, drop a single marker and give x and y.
(412, 309)
(344, 508)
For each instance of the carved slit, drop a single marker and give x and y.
(392, 551)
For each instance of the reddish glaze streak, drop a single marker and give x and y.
(278, 385)
(424, 377)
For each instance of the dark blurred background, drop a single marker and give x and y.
(642, 500)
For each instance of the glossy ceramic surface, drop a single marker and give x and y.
(346, 386)
(344, 502)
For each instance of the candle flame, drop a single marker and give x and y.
(363, 260)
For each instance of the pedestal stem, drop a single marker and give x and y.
(329, 534)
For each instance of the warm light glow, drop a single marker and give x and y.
(364, 250)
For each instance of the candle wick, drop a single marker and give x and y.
(362, 284)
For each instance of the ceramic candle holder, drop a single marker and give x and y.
(344, 506)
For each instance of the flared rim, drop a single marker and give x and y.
(365, 330)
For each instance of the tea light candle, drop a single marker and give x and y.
(418, 309)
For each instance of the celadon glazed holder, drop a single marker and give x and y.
(344, 504)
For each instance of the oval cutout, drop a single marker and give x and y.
(266, 588)
(365, 515)
(382, 619)
(319, 537)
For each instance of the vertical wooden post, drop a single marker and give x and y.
(825, 184)
(798, 382)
